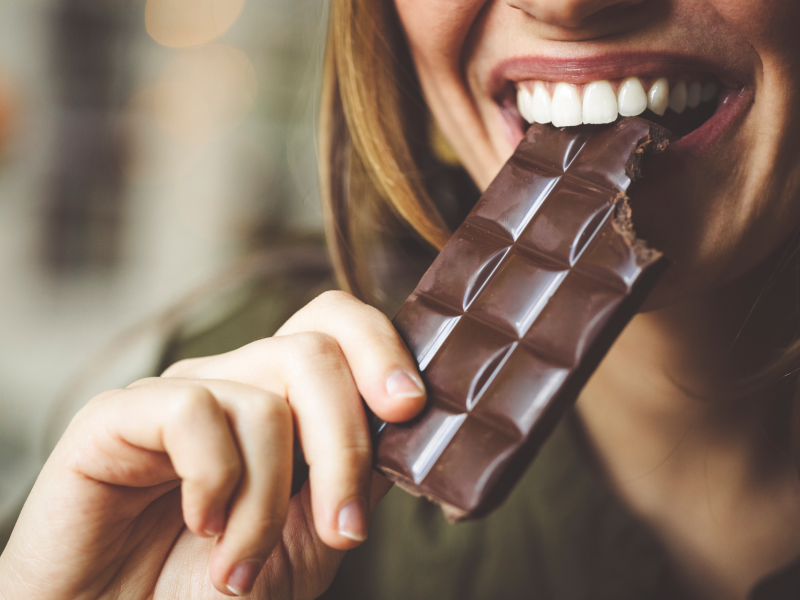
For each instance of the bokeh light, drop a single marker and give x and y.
(186, 23)
(204, 93)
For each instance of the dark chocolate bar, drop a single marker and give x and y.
(518, 310)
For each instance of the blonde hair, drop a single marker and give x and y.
(373, 122)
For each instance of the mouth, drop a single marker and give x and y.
(686, 102)
(683, 103)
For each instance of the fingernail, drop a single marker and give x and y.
(243, 577)
(216, 525)
(353, 521)
(402, 384)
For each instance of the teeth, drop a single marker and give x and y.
(524, 100)
(693, 95)
(658, 96)
(541, 104)
(708, 92)
(677, 97)
(600, 104)
(631, 99)
(566, 107)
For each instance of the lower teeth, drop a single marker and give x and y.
(685, 123)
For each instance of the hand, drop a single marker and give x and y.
(178, 486)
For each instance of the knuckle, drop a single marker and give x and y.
(218, 473)
(183, 368)
(191, 402)
(269, 526)
(359, 316)
(356, 455)
(265, 409)
(316, 345)
(144, 382)
(334, 299)
(92, 409)
(211, 478)
(260, 349)
(221, 469)
(359, 452)
(102, 399)
(225, 476)
(342, 303)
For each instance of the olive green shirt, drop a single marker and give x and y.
(561, 535)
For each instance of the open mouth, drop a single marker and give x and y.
(682, 102)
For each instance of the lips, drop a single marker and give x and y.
(681, 93)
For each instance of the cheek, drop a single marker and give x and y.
(440, 35)
(436, 29)
(764, 23)
(720, 218)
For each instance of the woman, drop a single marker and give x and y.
(699, 459)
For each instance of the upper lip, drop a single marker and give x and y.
(607, 66)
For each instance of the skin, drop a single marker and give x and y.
(163, 489)
(134, 498)
(709, 475)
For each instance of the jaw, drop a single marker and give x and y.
(705, 202)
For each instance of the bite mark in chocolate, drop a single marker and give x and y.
(518, 310)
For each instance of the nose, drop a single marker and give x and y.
(569, 14)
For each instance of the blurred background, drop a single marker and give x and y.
(144, 146)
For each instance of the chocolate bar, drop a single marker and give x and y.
(517, 311)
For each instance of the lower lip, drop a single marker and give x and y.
(732, 106)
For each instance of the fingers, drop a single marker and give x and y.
(231, 445)
(227, 426)
(323, 361)
(384, 371)
(139, 427)
(311, 370)
(264, 429)
(333, 432)
(305, 566)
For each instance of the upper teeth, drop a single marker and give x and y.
(601, 104)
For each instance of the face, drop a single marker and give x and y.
(723, 72)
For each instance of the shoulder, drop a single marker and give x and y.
(260, 294)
